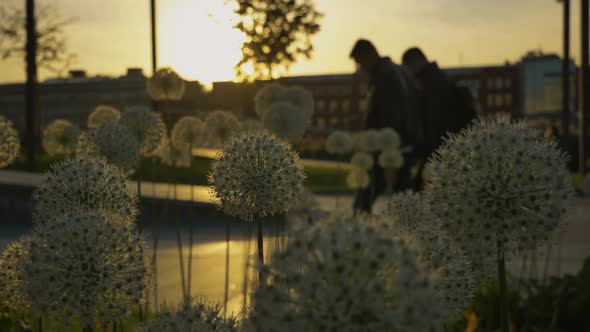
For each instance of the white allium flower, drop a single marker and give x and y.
(251, 125)
(103, 114)
(346, 274)
(301, 98)
(175, 156)
(165, 85)
(83, 185)
(199, 316)
(497, 185)
(305, 210)
(358, 178)
(89, 266)
(285, 120)
(60, 138)
(391, 159)
(9, 142)
(187, 132)
(267, 96)
(362, 160)
(388, 139)
(456, 276)
(256, 175)
(12, 279)
(367, 141)
(339, 142)
(148, 128)
(221, 127)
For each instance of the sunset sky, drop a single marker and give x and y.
(196, 36)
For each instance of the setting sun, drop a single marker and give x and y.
(198, 40)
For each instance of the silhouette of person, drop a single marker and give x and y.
(392, 104)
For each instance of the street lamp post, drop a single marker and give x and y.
(154, 36)
(33, 118)
(565, 77)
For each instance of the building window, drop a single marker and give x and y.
(346, 123)
(507, 83)
(490, 84)
(508, 99)
(333, 105)
(321, 105)
(346, 105)
(321, 122)
(490, 100)
(364, 105)
(333, 122)
(499, 100)
(499, 83)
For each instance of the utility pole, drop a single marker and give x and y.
(565, 77)
(154, 36)
(33, 118)
(584, 89)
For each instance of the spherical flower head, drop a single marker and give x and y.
(220, 127)
(89, 266)
(268, 95)
(391, 159)
(346, 274)
(388, 139)
(187, 132)
(175, 156)
(83, 185)
(300, 98)
(339, 142)
(285, 120)
(12, 279)
(9, 142)
(251, 125)
(103, 114)
(362, 160)
(118, 145)
(456, 277)
(497, 185)
(165, 85)
(256, 175)
(358, 178)
(367, 141)
(148, 128)
(60, 138)
(199, 316)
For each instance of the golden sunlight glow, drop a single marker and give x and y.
(197, 39)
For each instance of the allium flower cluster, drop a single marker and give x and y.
(113, 143)
(148, 128)
(9, 142)
(174, 156)
(256, 175)
(285, 120)
(60, 138)
(456, 277)
(346, 274)
(220, 127)
(85, 265)
(268, 95)
(187, 132)
(83, 185)
(358, 178)
(199, 316)
(388, 139)
(391, 159)
(165, 85)
(305, 210)
(498, 186)
(103, 114)
(367, 141)
(12, 279)
(339, 142)
(362, 160)
(300, 98)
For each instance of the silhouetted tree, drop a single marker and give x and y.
(278, 32)
(52, 51)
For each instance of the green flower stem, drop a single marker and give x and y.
(260, 250)
(190, 248)
(246, 270)
(179, 244)
(226, 288)
(504, 312)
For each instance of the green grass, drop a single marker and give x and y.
(319, 178)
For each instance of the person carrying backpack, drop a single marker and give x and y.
(444, 107)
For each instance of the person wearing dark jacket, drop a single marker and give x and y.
(392, 104)
(435, 100)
